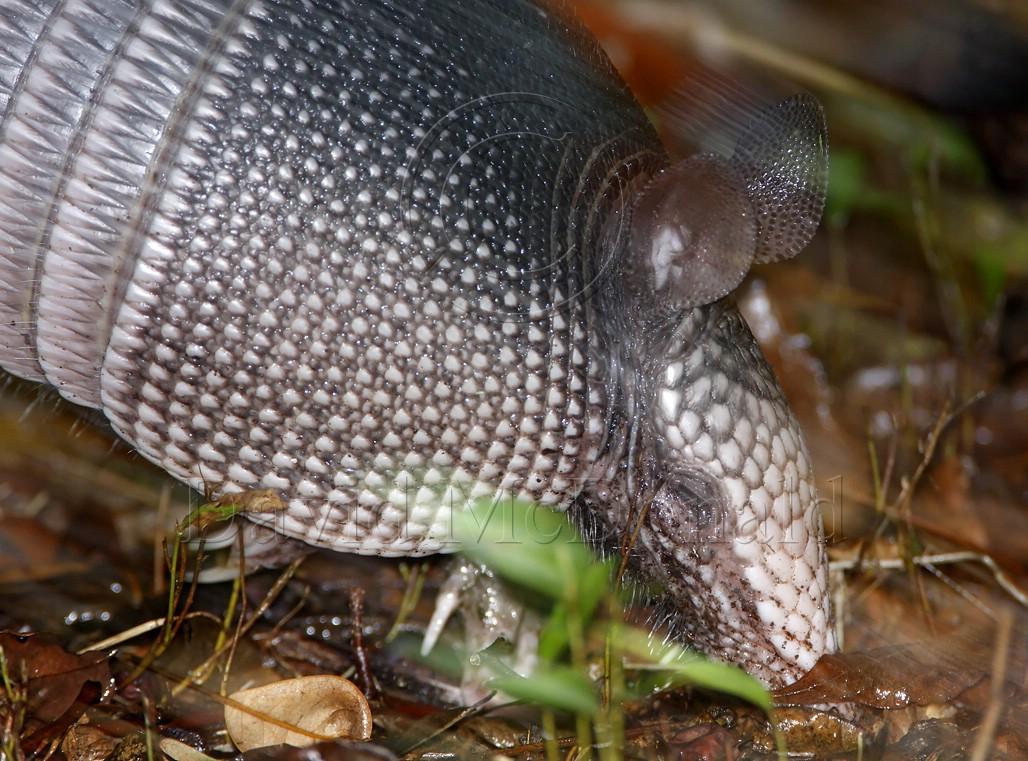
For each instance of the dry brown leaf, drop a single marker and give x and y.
(58, 685)
(887, 678)
(87, 743)
(702, 741)
(321, 707)
(55, 677)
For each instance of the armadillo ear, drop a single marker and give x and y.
(782, 156)
(693, 233)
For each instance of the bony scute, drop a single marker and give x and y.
(387, 278)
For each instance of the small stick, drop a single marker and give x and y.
(983, 741)
(360, 653)
(240, 589)
(464, 713)
(269, 598)
(940, 559)
(143, 628)
(163, 506)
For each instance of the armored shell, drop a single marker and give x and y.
(374, 255)
(327, 248)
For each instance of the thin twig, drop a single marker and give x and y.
(163, 506)
(269, 598)
(360, 652)
(890, 466)
(143, 628)
(280, 625)
(238, 633)
(177, 613)
(929, 445)
(966, 594)
(461, 716)
(629, 541)
(946, 558)
(415, 582)
(987, 731)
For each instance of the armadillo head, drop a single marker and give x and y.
(723, 496)
(713, 480)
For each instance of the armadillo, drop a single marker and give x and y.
(389, 258)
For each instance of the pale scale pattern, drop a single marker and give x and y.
(721, 407)
(355, 252)
(341, 296)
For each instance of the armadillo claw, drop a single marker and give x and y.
(491, 613)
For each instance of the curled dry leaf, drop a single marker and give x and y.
(298, 712)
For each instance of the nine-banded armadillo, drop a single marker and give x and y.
(388, 257)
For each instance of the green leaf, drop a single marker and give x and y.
(525, 543)
(594, 585)
(846, 183)
(911, 133)
(991, 264)
(444, 659)
(554, 637)
(553, 686)
(686, 667)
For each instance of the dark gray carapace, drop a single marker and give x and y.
(390, 257)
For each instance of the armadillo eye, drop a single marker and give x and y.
(693, 232)
(690, 510)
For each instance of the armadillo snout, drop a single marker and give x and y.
(733, 529)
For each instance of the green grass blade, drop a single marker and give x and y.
(556, 687)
